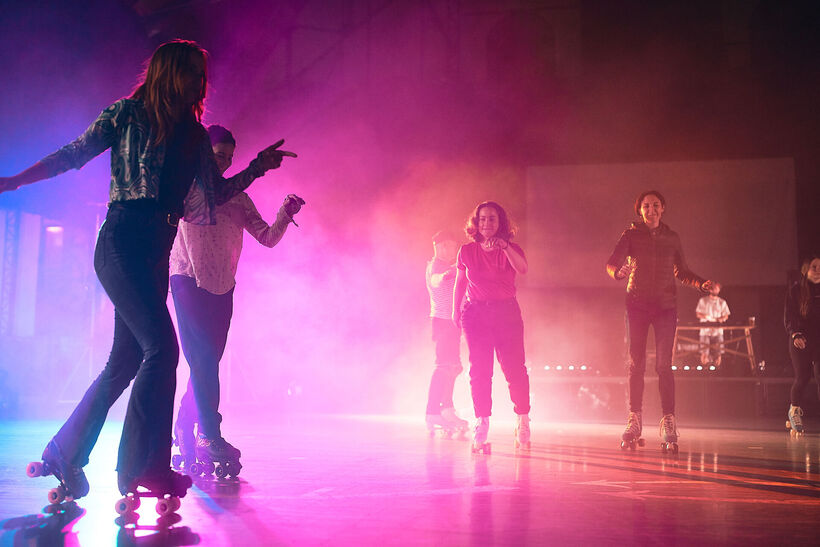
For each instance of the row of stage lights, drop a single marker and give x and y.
(687, 368)
(584, 368)
(571, 368)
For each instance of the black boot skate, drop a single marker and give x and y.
(73, 484)
(186, 442)
(631, 437)
(167, 486)
(218, 456)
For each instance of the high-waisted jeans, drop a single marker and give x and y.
(496, 328)
(131, 261)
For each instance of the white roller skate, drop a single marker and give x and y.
(460, 426)
(631, 437)
(795, 422)
(480, 433)
(437, 422)
(522, 431)
(669, 434)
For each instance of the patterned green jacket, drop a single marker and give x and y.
(136, 161)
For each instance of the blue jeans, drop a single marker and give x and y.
(131, 261)
(203, 319)
(664, 321)
(496, 327)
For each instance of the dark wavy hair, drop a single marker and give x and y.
(219, 134)
(805, 294)
(506, 229)
(163, 86)
(648, 193)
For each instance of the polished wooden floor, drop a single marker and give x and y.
(347, 480)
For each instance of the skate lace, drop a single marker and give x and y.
(796, 416)
(668, 425)
(633, 423)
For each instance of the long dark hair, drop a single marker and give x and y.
(506, 229)
(805, 294)
(163, 85)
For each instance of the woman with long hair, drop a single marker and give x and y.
(162, 169)
(801, 317)
(491, 318)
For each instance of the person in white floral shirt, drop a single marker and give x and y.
(203, 266)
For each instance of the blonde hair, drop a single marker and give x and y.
(163, 85)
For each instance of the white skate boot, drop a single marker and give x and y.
(522, 431)
(631, 437)
(795, 422)
(669, 434)
(450, 416)
(480, 433)
(437, 422)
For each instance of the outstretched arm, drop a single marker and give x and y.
(269, 158)
(36, 172)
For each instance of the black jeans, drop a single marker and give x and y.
(803, 361)
(447, 338)
(664, 321)
(203, 319)
(496, 327)
(131, 261)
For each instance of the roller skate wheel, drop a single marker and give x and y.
(208, 468)
(641, 442)
(56, 495)
(35, 469)
(166, 506)
(235, 469)
(127, 505)
(220, 471)
(194, 469)
(788, 424)
(176, 461)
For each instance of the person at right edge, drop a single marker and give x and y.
(491, 319)
(650, 254)
(801, 317)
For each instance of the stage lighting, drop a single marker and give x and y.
(685, 367)
(700, 367)
(712, 367)
(674, 367)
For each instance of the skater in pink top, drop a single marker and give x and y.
(491, 318)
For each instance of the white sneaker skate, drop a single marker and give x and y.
(669, 434)
(631, 437)
(450, 416)
(480, 433)
(795, 422)
(522, 431)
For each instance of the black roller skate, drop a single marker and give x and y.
(480, 434)
(73, 484)
(167, 486)
(631, 437)
(217, 456)
(185, 441)
(669, 434)
(794, 423)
